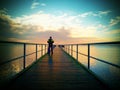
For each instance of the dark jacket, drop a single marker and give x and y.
(50, 42)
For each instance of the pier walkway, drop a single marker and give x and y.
(56, 72)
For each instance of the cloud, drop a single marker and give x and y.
(62, 36)
(86, 14)
(115, 21)
(53, 22)
(97, 14)
(9, 28)
(64, 28)
(18, 30)
(59, 36)
(101, 13)
(5, 24)
(48, 21)
(35, 4)
(3, 11)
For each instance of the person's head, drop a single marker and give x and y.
(50, 37)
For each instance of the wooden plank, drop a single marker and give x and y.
(56, 72)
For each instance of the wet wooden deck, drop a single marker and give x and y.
(56, 72)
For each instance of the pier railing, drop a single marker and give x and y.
(69, 49)
(10, 65)
(91, 61)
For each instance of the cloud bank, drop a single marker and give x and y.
(64, 28)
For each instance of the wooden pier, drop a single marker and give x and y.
(56, 72)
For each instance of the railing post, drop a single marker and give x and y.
(36, 52)
(45, 48)
(88, 56)
(71, 50)
(66, 48)
(24, 57)
(42, 50)
(77, 51)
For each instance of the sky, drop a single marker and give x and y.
(67, 21)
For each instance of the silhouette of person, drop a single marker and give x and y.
(50, 45)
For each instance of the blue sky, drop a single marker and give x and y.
(68, 21)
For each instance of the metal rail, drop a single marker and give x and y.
(68, 50)
(24, 51)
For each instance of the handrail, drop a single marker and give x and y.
(21, 42)
(115, 42)
(24, 52)
(89, 44)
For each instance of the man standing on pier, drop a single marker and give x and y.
(50, 45)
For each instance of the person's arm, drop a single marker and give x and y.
(52, 41)
(48, 41)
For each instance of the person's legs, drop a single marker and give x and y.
(48, 49)
(52, 49)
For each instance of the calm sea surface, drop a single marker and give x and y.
(108, 73)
